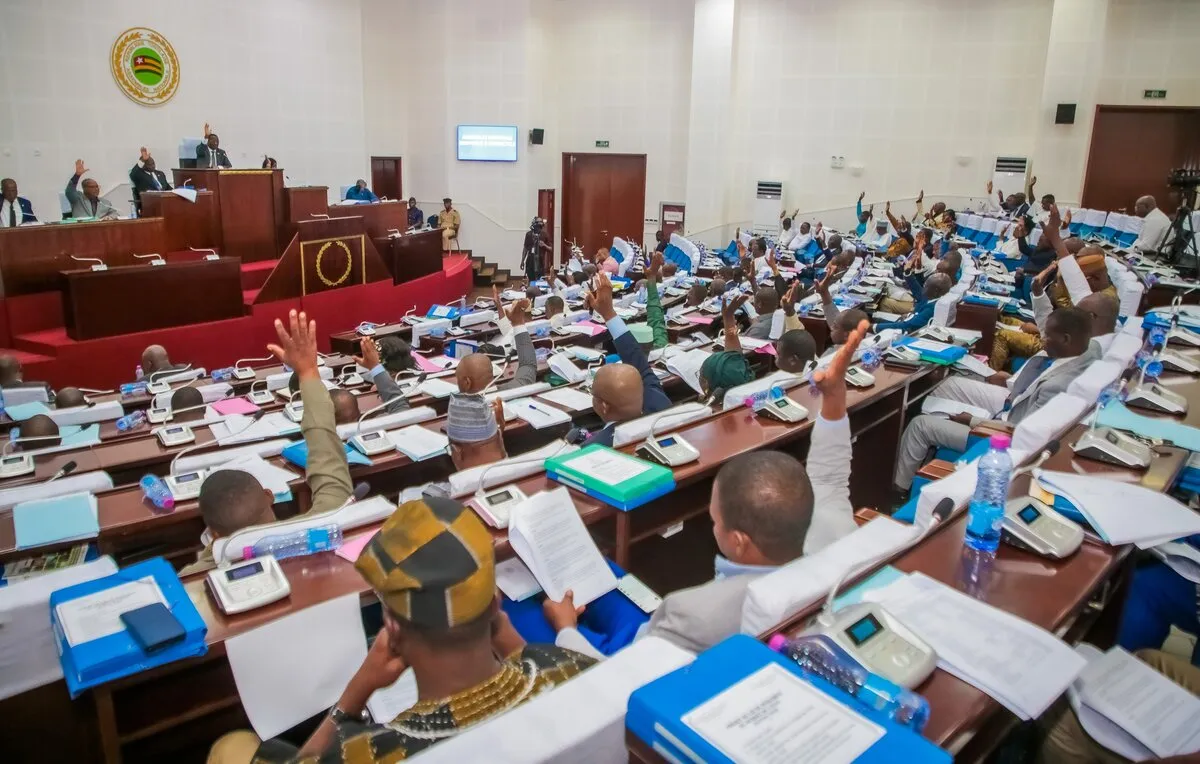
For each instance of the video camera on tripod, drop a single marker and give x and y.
(1180, 246)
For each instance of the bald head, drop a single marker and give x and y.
(1144, 206)
(69, 397)
(474, 373)
(937, 285)
(345, 407)
(696, 295)
(155, 359)
(39, 426)
(617, 392)
(187, 397)
(10, 370)
(1103, 309)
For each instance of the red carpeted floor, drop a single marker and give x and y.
(36, 334)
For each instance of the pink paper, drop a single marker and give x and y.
(696, 318)
(592, 327)
(425, 364)
(353, 548)
(227, 406)
(767, 350)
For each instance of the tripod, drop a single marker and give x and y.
(1180, 249)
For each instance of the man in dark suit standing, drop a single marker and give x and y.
(146, 177)
(14, 210)
(210, 153)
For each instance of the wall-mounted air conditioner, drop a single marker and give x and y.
(1009, 174)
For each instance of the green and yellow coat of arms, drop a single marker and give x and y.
(145, 66)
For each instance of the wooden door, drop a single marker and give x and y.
(604, 195)
(545, 211)
(385, 177)
(1133, 150)
(670, 218)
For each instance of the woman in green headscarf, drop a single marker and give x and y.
(728, 368)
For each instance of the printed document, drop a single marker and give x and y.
(98, 614)
(609, 467)
(1125, 513)
(569, 398)
(549, 536)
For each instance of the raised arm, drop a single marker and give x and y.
(729, 322)
(328, 474)
(72, 190)
(654, 310)
(389, 391)
(526, 373)
(887, 210)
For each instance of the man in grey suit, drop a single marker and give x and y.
(1067, 350)
(767, 511)
(88, 204)
(210, 153)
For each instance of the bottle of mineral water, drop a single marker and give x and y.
(991, 494)
(296, 543)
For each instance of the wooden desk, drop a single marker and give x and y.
(137, 298)
(251, 204)
(981, 318)
(303, 203)
(379, 217)
(186, 224)
(31, 257)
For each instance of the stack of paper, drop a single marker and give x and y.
(687, 365)
(974, 365)
(1023, 667)
(240, 429)
(419, 443)
(438, 388)
(1182, 558)
(538, 414)
(514, 579)
(569, 398)
(1131, 709)
(272, 478)
(549, 536)
(1124, 513)
(49, 521)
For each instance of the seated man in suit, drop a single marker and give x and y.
(231, 500)
(210, 154)
(146, 176)
(382, 359)
(766, 325)
(767, 510)
(360, 193)
(187, 397)
(1068, 350)
(432, 568)
(69, 398)
(15, 210)
(936, 287)
(38, 426)
(88, 204)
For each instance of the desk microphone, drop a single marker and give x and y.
(63, 471)
(238, 363)
(318, 215)
(96, 392)
(1050, 450)
(360, 492)
(212, 253)
(369, 412)
(155, 374)
(257, 415)
(713, 396)
(186, 182)
(95, 260)
(480, 486)
(154, 258)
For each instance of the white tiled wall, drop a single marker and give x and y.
(282, 77)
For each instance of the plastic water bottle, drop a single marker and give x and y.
(133, 388)
(296, 544)
(991, 494)
(138, 374)
(763, 397)
(818, 655)
(157, 492)
(131, 420)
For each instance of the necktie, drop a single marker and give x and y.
(12, 214)
(95, 203)
(1032, 369)
(212, 158)
(154, 177)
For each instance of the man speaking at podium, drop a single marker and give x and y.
(210, 153)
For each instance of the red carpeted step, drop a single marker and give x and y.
(25, 357)
(255, 274)
(46, 342)
(248, 296)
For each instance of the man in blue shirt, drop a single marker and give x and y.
(863, 217)
(936, 286)
(628, 389)
(360, 193)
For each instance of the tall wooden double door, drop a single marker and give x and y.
(604, 195)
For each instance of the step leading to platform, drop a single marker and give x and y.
(255, 274)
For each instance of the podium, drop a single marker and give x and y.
(379, 217)
(186, 224)
(252, 208)
(413, 255)
(325, 254)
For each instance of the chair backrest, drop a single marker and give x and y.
(1095, 218)
(1057, 416)
(343, 190)
(64, 204)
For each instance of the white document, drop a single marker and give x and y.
(1125, 513)
(186, 193)
(28, 647)
(774, 716)
(438, 388)
(687, 365)
(419, 443)
(609, 467)
(548, 534)
(265, 449)
(569, 398)
(97, 615)
(929, 346)
(514, 579)
(239, 428)
(671, 419)
(393, 700)
(537, 414)
(975, 366)
(297, 666)
(934, 405)
(1182, 558)
(274, 479)
(1023, 667)
(1158, 713)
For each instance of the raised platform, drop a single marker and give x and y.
(40, 340)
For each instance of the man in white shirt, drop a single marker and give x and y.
(881, 238)
(767, 511)
(1154, 225)
(15, 210)
(787, 231)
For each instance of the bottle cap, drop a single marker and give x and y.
(777, 642)
(1000, 441)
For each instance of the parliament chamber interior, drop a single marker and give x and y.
(547, 381)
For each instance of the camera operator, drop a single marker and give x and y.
(535, 250)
